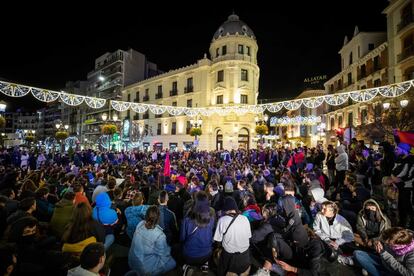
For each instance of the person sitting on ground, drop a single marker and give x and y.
(135, 213)
(196, 233)
(233, 231)
(92, 260)
(394, 254)
(149, 253)
(371, 223)
(331, 227)
(168, 222)
(62, 214)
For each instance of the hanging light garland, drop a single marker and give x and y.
(298, 120)
(44, 95)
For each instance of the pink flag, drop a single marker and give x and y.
(167, 167)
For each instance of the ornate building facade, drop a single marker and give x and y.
(228, 77)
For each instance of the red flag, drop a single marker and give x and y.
(406, 137)
(167, 167)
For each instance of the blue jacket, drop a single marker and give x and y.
(134, 215)
(149, 253)
(197, 241)
(168, 223)
(102, 212)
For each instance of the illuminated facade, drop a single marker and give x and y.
(228, 77)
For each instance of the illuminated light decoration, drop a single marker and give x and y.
(222, 111)
(71, 99)
(313, 102)
(298, 120)
(256, 109)
(14, 90)
(276, 107)
(206, 111)
(120, 106)
(46, 96)
(336, 99)
(95, 102)
(191, 111)
(363, 96)
(139, 108)
(157, 109)
(293, 105)
(175, 111)
(395, 90)
(240, 110)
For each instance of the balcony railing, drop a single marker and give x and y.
(158, 96)
(188, 89)
(173, 92)
(136, 117)
(407, 20)
(407, 52)
(145, 98)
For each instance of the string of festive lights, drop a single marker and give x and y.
(45, 95)
(298, 120)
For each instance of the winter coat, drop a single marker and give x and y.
(341, 161)
(134, 215)
(403, 265)
(149, 253)
(340, 230)
(62, 215)
(197, 241)
(362, 221)
(102, 212)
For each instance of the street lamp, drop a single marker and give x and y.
(321, 129)
(196, 123)
(104, 117)
(386, 105)
(261, 119)
(403, 103)
(3, 106)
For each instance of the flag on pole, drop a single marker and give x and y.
(167, 166)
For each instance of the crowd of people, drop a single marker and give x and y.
(303, 211)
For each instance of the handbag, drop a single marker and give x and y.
(217, 252)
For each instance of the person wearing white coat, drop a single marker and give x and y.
(331, 227)
(341, 165)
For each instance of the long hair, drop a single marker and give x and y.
(80, 226)
(152, 217)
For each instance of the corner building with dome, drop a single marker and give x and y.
(228, 76)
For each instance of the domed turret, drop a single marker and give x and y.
(233, 26)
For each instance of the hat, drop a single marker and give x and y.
(405, 147)
(266, 173)
(229, 204)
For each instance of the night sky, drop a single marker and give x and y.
(296, 39)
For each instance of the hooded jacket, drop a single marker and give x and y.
(341, 161)
(362, 221)
(103, 212)
(62, 215)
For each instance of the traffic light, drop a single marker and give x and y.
(340, 134)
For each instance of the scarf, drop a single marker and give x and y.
(402, 249)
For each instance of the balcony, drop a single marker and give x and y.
(407, 20)
(406, 53)
(173, 92)
(188, 89)
(158, 96)
(145, 98)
